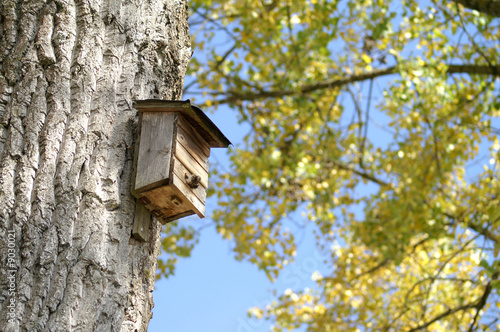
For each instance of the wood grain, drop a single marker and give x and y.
(180, 171)
(142, 219)
(194, 147)
(155, 150)
(197, 138)
(183, 190)
(163, 203)
(191, 164)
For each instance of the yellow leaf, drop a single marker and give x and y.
(496, 145)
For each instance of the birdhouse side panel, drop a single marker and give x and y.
(155, 150)
(191, 164)
(192, 152)
(194, 137)
(179, 184)
(181, 178)
(194, 146)
(190, 178)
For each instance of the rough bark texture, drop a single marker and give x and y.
(69, 72)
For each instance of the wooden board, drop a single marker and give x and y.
(197, 138)
(191, 164)
(142, 219)
(180, 171)
(192, 145)
(198, 119)
(173, 200)
(184, 190)
(164, 202)
(178, 216)
(155, 150)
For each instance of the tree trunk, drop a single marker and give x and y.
(69, 72)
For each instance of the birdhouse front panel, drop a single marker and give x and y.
(155, 152)
(171, 158)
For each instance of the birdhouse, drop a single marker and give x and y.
(171, 158)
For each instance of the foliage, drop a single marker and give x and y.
(374, 121)
(177, 242)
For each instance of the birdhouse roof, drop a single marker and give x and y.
(193, 114)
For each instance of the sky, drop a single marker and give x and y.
(211, 291)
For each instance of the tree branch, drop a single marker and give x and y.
(485, 232)
(234, 96)
(490, 7)
(475, 227)
(478, 305)
(328, 84)
(442, 315)
(371, 270)
(364, 175)
(482, 301)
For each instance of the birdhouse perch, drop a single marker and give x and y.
(171, 159)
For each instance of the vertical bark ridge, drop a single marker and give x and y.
(69, 74)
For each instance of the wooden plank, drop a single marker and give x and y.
(134, 164)
(165, 202)
(176, 217)
(142, 219)
(196, 137)
(191, 164)
(155, 105)
(183, 190)
(180, 171)
(199, 120)
(193, 147)
(155, 150)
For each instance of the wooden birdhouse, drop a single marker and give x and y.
(171, 158)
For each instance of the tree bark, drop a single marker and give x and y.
(69, 72)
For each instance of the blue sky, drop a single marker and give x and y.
(211, 291)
